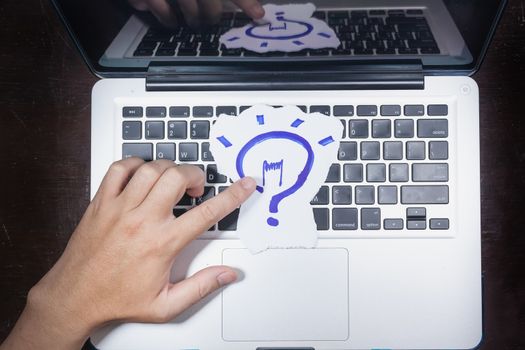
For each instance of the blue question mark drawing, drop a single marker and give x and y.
(266, 166)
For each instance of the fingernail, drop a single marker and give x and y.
(248, 183)
(226, 278)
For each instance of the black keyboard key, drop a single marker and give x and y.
(156, 112)
(387, 194)
(429, 194)
(416, 224)
(200, 130)
(364, 195)
(438, 150)
(414, 110)
(343, 134)
(143, 52)
(343, 110)
(439, 224)
(321, 198)
(188, 152)
(213, 177)
(370, 150)
(141, 150)
(376, 172)
(321, 217)
(398, 172)
(415, 12)
(404, 128)
(429, 172)
(416, 213)
(177, 130)
(165, 52)
(391, 110)
(347, 151)
(344, 219)
(415, 150)
(229, 110)
(206, 155)
(430, 51)
(203, 111)
(131, 130)
(209, 52)
(381, 129)
(132, 112)
(243, 108)
(377, 12)
(177, 212)
(393, 150)
(154, 130)
(393, 224)
(358, 129)
(407, 51)
(209, 192)
(341, 195)
(303, 108)
(367, 110)
(437, 110)
(229, 223)
(185, 200)
(334, 174)
(353, 173)
(165, 151)
(432, 128)
(320, 109)
(370, 218)
(179, 112)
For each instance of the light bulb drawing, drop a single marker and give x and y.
(288, 153)
(290, 28)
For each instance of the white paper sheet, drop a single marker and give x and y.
(287, 28)
(288, 153)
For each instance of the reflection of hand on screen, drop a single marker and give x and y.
(194, 11)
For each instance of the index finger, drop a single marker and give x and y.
(191, 224)
(251, 7)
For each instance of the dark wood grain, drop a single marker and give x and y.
(44, 160)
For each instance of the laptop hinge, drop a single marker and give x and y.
(329, 75)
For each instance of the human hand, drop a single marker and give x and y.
(194, 11)
(117, 263)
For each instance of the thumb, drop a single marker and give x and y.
(185, 293)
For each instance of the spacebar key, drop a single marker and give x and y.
(424, 194)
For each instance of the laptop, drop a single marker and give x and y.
(398, 261)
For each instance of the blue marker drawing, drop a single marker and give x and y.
(324, 35)
(234, 38)
(267, 167)
(260, 119)
(301, 178)
(326, 141)
(298, 42)
(224, 141)
(296, 123)
(264, 44)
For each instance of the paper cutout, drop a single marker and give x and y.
(288, 153)
(287, 28)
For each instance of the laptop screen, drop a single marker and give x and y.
(123, 37)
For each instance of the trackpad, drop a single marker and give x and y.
(287, 294)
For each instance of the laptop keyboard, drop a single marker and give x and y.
(362, 32)
(392, 170)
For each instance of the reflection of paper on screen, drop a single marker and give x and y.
(288, 153)
(287, 28)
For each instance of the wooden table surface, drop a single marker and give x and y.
(45, 155)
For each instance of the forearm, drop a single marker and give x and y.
(46, 329)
